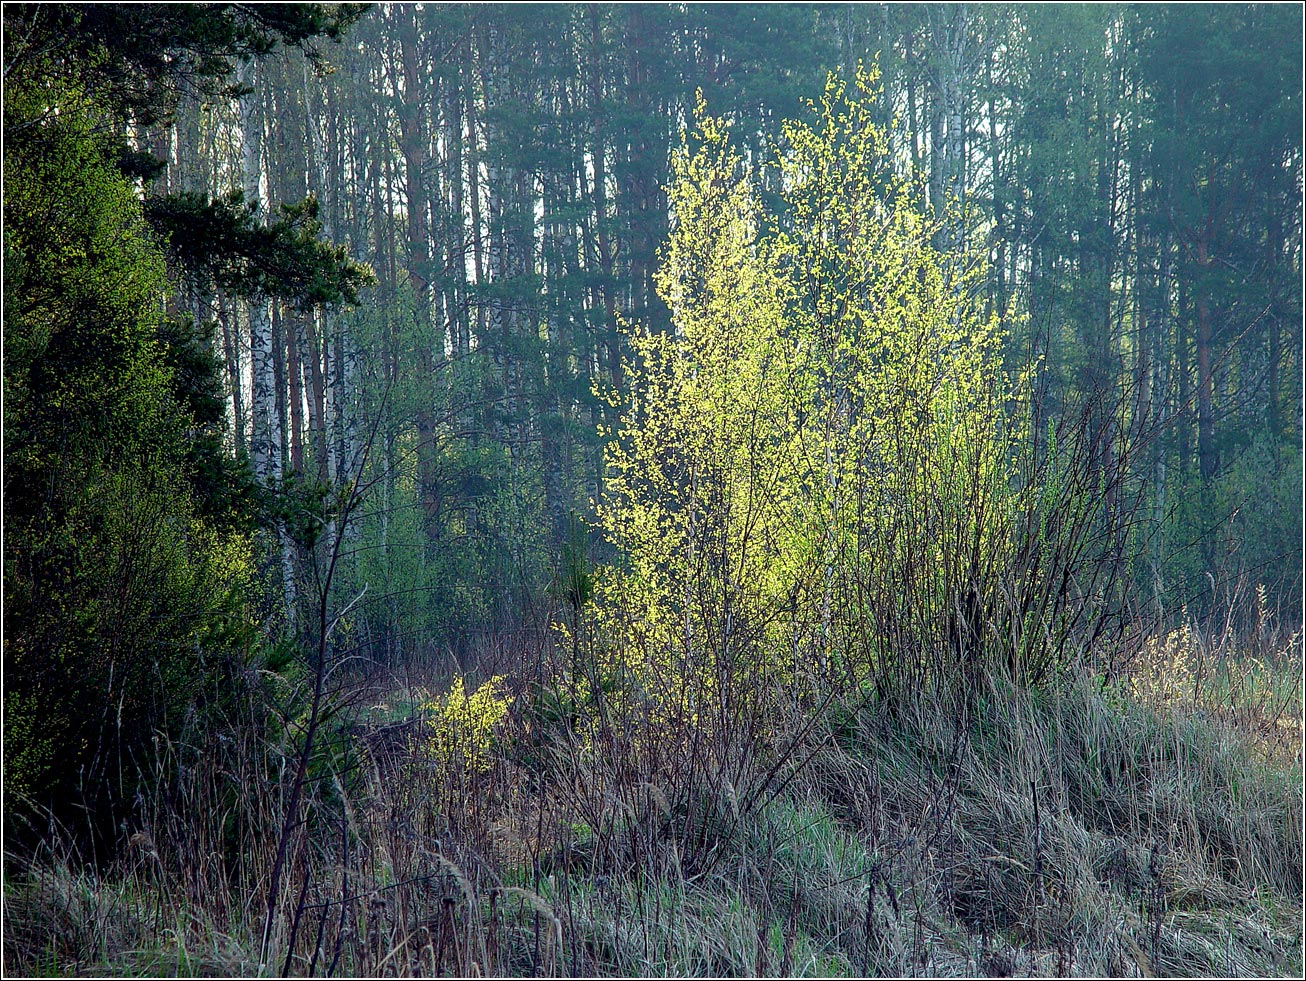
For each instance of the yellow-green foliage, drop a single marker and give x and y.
(1255, 681)
(463, 726)
(825, 422)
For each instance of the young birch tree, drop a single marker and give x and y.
(812, 473)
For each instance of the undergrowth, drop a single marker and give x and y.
(1104, 826)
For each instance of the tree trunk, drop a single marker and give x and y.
(266, 439)
(413, 146)
(263, 443)
(317, 410)
(235, 379)
(598, 149)
(474, 185)
(951, 60)
(1207, 461)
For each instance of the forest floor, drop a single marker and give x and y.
(1149, 825)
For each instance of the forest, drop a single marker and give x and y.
(632, 489)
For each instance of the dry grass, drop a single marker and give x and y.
(1123, 829)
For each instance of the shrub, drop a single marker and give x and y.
(462, 726)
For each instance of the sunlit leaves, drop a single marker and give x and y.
(823, 429)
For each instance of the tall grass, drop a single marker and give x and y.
(1105, 827)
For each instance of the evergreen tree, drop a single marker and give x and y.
(128, 566)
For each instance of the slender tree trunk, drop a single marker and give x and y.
(474, 181)
(317, 409)
(413, 146)
(1274, 339)
(999, 199)
(1183, 379)
(454, 150)
(294, 370)
(235, 381)
(952, 62)
(598, 149)
(913, 105)
(279, 382)
(263, 448)
(1206, 454)
(641, 193)
(266, 442)
(1207, 461)
(1163, 414)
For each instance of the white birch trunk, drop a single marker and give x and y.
(320, 175)
(263, 442)
(331, 356)
(952, 58)
(266, 436)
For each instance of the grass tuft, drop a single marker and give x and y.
(1095, 828)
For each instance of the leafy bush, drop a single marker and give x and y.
(463, 726)
(817, 476)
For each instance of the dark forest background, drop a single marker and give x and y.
(1133, 172)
